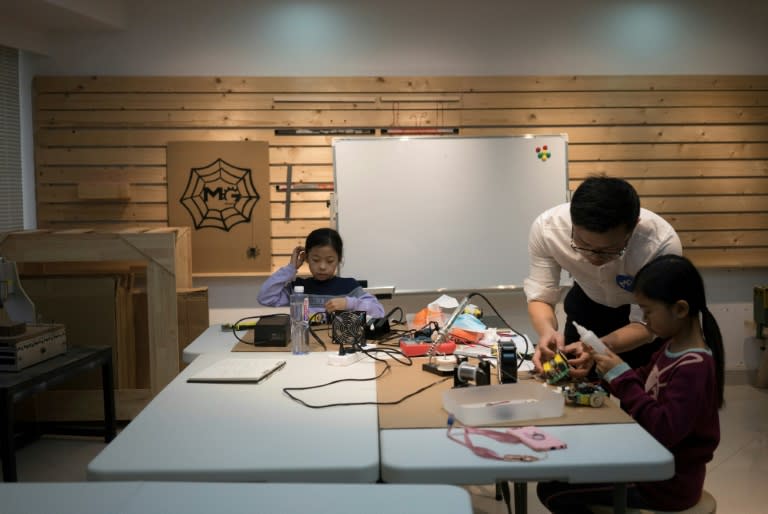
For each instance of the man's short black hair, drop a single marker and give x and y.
(602, 203)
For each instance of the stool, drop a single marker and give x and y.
(706, 505)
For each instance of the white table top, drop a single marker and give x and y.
(205, 498)
(213, 340)
(621, 452)
(252, 432)
(610, 453)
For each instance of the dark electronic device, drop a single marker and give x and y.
(348, 330)
(377, 328)
(507, 362)
(272, 331)
(466, 373)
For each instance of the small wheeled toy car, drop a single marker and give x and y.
(585, 394)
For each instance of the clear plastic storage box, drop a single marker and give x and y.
(494, 404)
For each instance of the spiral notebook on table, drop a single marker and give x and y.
(236, 371)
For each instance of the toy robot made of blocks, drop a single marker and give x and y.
(556, 369)
(585, 393)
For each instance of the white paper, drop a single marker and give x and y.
(238, 370)
(447, 302)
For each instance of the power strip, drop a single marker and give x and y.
(344, 360)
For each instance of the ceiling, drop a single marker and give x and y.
(29, 24)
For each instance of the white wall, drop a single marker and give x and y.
(422, 37)
(446, 37)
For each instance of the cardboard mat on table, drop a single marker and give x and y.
(425, 410)
(246, 345)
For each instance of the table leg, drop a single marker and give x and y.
(7, 447)
(521, 497)
(620, 498)
(108, 387)
(503, 487)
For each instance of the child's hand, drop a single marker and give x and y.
(298, 256)
(605, 361)
(336, 304)
(579, 358)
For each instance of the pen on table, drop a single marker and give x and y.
(280, 365)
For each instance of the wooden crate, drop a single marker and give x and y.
(192, 306)
(166, 254)
(96, 310)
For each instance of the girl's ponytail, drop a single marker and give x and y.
(714, 340)
(670, 278)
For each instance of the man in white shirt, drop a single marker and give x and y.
(602, 238)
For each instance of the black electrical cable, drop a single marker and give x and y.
(351, 404)
(315, 317)
(389, 314)
(527, 347)
(396, 335)
(394, 353)
(368, 351)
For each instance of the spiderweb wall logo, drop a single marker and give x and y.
(220, 195)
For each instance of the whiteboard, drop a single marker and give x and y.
(427, 214)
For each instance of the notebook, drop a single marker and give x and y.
(229, 371)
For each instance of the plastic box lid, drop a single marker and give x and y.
(495, 404)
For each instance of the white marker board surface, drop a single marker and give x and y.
(444, 213)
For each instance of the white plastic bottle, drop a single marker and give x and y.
(299, 322)
(589, 337)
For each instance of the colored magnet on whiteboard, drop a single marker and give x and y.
(543, 153)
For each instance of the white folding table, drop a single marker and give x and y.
(252, 432)
(204, 498)
(615, 453)
(611, 453)
(212, 340)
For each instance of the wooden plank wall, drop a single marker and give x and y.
(695, 147)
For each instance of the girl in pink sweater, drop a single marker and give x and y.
(675, 397)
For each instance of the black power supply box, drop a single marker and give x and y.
(272, 331)
(377, 328)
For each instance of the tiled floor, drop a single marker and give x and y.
(737, 476)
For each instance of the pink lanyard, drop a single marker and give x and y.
(486, 453)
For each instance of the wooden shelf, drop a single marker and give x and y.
(236, 274)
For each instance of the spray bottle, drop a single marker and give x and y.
(589, 337)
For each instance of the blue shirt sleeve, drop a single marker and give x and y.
(276, 290)
(616, 371)
(365, 301)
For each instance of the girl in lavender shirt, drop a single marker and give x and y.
(327, 292)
